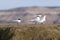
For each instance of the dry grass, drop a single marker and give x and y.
(30, 32)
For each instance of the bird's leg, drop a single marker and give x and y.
(18, 23)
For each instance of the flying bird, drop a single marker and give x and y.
(39, 19)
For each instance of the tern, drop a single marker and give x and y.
(39, 19)
(18, 21)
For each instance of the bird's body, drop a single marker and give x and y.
(17, 21)
(37, 19)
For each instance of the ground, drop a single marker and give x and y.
(29, 31)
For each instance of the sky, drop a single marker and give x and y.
(7, 4)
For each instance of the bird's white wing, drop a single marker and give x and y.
(43, 19)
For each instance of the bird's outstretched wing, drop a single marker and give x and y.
(43, 19)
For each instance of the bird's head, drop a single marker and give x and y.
(39, 15)
(19, 19)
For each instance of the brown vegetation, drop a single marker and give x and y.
(30, 32)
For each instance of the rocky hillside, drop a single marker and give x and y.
(27, 13)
